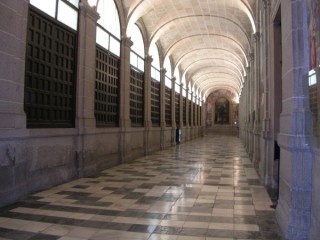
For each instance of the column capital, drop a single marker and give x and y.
(87, 10)
(126, 41)
(251, 57)
(257, 36)
(148, 59)
(266, 3)
(163, 70)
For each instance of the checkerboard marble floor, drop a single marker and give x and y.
(206, 189)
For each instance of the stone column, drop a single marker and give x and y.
(162, 107)
(294, 207)
(147, 101)
(124, 108)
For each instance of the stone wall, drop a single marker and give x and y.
(274, 107)
(34, 159)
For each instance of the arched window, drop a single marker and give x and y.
(108, 28)
(107, 91)
(65, 11)
(183, 81)
(137, 50)
(155, 68)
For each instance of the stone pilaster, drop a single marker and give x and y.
(294, 207)
(187, 113)
(251, 105)
(88, 18)
(248, 117)
(13, 30)
(317, 127)
(266, 123)
(203, 116)
(256, 124)
(124, 115)
(124, 108)
(85, 99)
(162, 107)
(246, 112)
(14, 161)
(147, 101)
(192, 111)
(181, 106)
(197, 112)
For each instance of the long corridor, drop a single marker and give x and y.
(206, 189)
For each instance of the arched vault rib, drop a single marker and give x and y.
(156, 35)
(209, 49)
(208, 70)
(219, 81)
(215, 75)
(159, 14)
(134, 13)
(180, 41)
(210, 59)
(248, 12)
(203, 73)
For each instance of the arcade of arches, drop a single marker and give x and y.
(87, 85)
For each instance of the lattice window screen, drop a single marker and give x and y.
(155, 102)
(168, 106)
(107, 89)
(50, 73)
(177, 108)
(136, 97)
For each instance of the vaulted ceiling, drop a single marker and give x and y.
(209, 41)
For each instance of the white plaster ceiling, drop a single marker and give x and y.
(209, 41)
